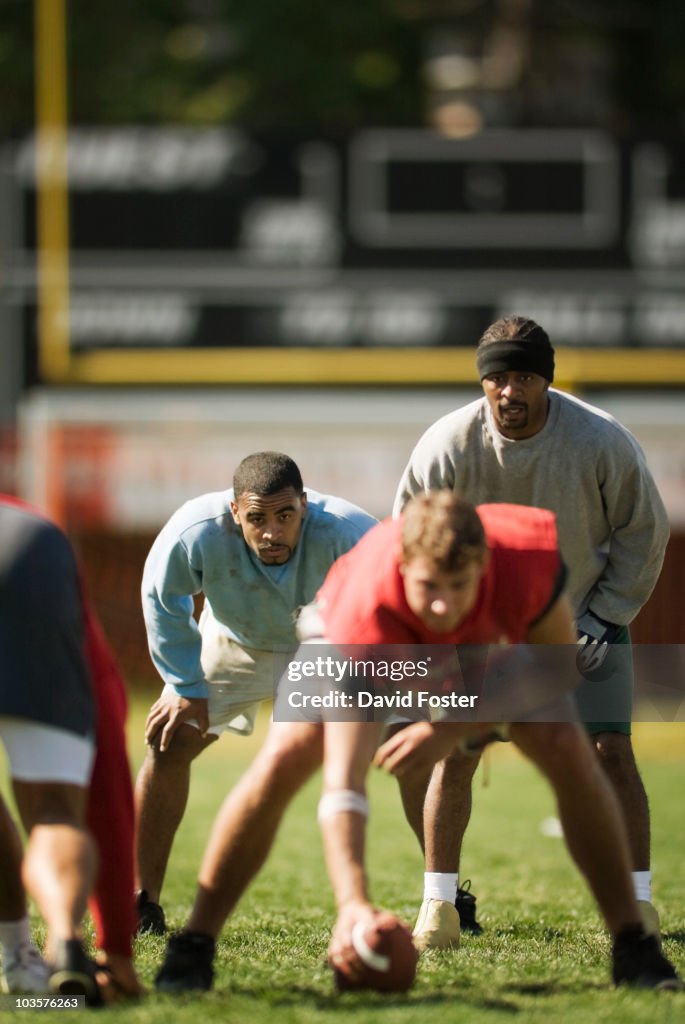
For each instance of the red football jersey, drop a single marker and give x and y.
(362, 600)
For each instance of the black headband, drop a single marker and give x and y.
(531, 355)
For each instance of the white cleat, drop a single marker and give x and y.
(437, 926)
(650, 919)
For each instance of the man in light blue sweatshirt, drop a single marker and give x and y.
(528, 443)
(257, 552)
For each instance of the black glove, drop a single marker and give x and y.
(595, 636)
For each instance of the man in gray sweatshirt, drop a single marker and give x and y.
(530, 444)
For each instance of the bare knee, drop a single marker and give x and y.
(615, 751)
(186, 745)
(457, 768)
(553, 746)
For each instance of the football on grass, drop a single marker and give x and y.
(385, 947)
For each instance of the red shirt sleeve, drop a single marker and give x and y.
(109, 812)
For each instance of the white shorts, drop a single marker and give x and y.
(43, 753)
(239, 679)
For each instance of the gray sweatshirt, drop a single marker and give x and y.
(585, 467)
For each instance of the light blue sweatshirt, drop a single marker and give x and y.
(201, 550)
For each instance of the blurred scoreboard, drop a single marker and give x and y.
(217, 255)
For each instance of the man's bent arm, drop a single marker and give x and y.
(348, 751)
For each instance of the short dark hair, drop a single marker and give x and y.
(443, 528)
(265, 473)
(514, 328)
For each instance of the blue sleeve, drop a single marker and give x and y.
(169, 583)
(353, 522)
(360, 523)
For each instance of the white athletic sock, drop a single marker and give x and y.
(13, 934)
(642, 883)
(440, 885)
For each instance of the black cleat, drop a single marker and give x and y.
(187, 964)
(466, 908)
(638, 961)
(151, 919)
(74, 973)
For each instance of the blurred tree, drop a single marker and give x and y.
(269, 62)
(338, 65)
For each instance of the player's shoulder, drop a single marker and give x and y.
(455, 423)
(381, 538)
(519, 527)
(27, 530)
(328, 514)
(576, 415)
(204, 512)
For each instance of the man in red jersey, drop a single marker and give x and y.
(447, 573)
(62, 714)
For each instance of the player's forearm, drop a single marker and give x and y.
(175, 649)
(344, 845)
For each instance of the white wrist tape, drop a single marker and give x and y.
(342, 800)
(367, 955)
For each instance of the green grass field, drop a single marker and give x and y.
(544, 954)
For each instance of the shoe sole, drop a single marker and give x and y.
(670, 986)
(424, 946)
(666, 985)
(179, 986)
(76, 983)
(655, 984)
(470, 930)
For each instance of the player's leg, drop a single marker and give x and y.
(240, 840)
(23, 969)
(591, 818)
(617, 758)
(446, 814)
(50, 769)
(596, 837)
(611, 735)
(413, 792)
(161, 796)
(615, 751)
(60, 862)
(12, 898)
(447, 810)
(246, 825)
(238, 678)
